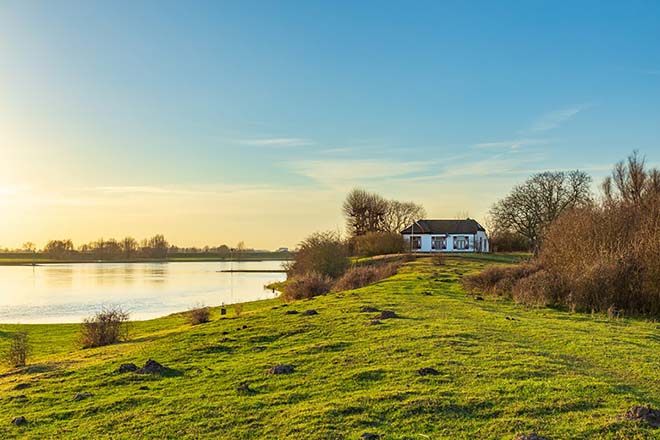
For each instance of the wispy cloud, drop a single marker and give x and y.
(555, 118)
(516, 144)
(348, 172)
(278, 142)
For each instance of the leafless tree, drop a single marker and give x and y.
(369, 212)
(400, 215)
(364, 212)
(631, 183)
(533, 205)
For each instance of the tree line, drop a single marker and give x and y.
(156, 247)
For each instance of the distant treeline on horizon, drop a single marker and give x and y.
(127, 248)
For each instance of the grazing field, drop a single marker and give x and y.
(492, 369)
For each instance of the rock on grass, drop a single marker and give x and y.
(387, 314)
(291, 312)
(644, 414)
(370, 436)
(282, 369)
(427, 371)
(19, 421)
(126, 368)
(152, 367)
(311, 312)
(368, 309)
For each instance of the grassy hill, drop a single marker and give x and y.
(502, 370)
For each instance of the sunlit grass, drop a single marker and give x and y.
(503, 369)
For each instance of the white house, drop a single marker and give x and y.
(446, 236)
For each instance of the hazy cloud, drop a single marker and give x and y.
(278, 142)
(510, 145)
(554, 119)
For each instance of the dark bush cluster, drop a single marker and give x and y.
(106, 327)
(603, 257)
(378, 243)
(199, 315)
(19, 349)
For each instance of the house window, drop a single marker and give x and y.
(461, 243)
(439, 243)
(416, 242)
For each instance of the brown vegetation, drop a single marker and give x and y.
(377, 243)
(19, 349)
(602, 257)
(199, 315)
(106, 327)
(307, 286)
(360, 276)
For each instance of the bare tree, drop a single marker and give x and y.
(631, 183)
(533, 205)
(364, 212)
(129, 247)
(369, 212)
(400, 215)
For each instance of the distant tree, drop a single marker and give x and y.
(157, 246)
(59, 248)
(129, 247)
(534, 204)
(28, 246)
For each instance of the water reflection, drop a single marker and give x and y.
(69, 292)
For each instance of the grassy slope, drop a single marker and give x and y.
(562, 375)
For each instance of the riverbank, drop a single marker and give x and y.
(450, 365)
(187, 259)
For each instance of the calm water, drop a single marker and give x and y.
(70, 292)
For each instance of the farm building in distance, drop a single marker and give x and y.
(446, 236)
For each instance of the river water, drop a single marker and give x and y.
(55, 293)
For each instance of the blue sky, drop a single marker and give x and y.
(247, 114)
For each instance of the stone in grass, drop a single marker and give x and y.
(152, 367)
(427, 371)
(532, 436)
(82, 396)
(127, 368)
(644, 414)
(370, 436)
(282, 369)
(19, 421)
(291, 312)
(368, 309)
(387, 314)
(310, 312)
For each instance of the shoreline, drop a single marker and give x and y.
(43, 262)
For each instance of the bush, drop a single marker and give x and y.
(238, 310)
(106, 327)
(361, 276)
(199, 315)
(323, 253)
(307, 286)
(378, 243)
(19, 350)
(508, 241)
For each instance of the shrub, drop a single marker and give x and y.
(378, 243)
(106, 327)
(19, 349)
(238, 310)
(323, 253)
(199, 315)
(306, 286)
(360, 276)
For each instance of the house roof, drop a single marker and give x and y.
(467, 226)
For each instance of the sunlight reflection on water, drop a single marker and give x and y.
(70, 292)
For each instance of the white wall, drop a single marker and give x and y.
(473, 242)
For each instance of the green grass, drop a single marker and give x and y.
(565, 376)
